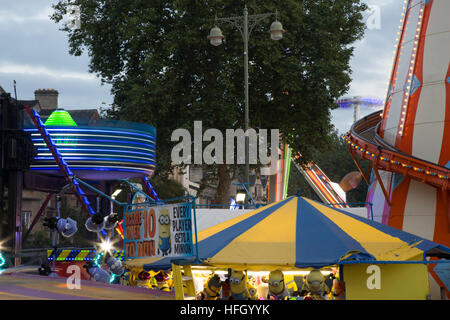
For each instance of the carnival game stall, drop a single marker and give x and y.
(288, 243)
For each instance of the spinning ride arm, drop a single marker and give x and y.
(150, 190)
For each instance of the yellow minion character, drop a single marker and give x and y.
(315, 286)
(162, 280)
(212, 288)
(238, 285)
(139, 278)
(252, 291)
(164, 232)
(277, 287)
(132, 277)
(291, 284)
(153, 283)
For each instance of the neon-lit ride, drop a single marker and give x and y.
(96, 150)
(357, 103)
(407, 143)
(105, 150)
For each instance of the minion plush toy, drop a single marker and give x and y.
(238, 285)
(315, 286)
(164, 232)
(252, 291)
(144, 279)
(212, 288)
(137, 277)
(162, 281)
(277, 287)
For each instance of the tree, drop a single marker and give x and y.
(164, 72)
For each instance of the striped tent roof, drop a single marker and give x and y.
(301, 233)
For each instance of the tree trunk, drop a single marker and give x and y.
(223, 188)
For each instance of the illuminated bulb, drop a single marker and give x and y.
(106, 245)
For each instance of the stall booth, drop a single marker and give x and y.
(357, 258)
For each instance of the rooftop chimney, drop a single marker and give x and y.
(48, 98)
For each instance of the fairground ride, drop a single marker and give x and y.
(67, 151)
(407, 144)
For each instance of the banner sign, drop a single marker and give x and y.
(158, 231)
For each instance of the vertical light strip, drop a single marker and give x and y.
(287, 170)
(412, 63)
(395, 61)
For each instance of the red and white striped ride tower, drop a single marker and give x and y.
(408, 143)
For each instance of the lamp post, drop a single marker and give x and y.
(245, 25)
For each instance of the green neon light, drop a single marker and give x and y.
(60, 118)
(113, 277)
(287, 170)
(97, 258)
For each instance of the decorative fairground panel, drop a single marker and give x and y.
(159, 230)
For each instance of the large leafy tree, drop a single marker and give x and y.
(165, 73)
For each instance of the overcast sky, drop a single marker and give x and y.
(35, 54)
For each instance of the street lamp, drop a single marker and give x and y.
(215, 36)
(240, 197)
(276, 30)
(245, 25)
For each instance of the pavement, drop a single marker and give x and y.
(19, 286)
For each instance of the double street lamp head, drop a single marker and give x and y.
(276, 33)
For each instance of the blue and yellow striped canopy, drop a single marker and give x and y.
(302, 233)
